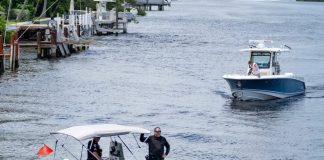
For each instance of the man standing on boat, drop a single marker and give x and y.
(156, 145)
(253, 69)
(94, 148)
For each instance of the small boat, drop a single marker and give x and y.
(87, 132)
(270, 84)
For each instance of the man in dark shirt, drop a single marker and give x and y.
(156, 144)
(95, 149)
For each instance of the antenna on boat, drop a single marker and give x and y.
(287, 47)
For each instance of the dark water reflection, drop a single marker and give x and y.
(168, 72)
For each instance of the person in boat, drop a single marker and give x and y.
(253, 69)
(94, 148)
(156, 145)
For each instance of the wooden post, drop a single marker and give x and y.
(162, 5)
(146, 6)
(79, 30)
(66, 32)
(53, 43)
(2, 56)
(125, 27)
(116, 20)
(12, 52)
(39, 50)
(17, 50)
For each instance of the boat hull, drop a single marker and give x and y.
(264, 88)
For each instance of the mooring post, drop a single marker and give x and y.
(162, 7)
(2, 56)
(146, 6)
(39, 49)
(12, 52)
(66, 32)
(17, 50)
(116, 20)
(79, 30)
(53, 43)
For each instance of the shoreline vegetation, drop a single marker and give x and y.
(28, 10)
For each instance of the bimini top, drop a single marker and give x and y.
(260, 45)
(99, 130)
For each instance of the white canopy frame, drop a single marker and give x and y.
(80, 133)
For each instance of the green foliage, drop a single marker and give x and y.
(2, 25)
(1, 9)
(28, 7)
(8, 36)
(25, 14)
(141, 12)
(34, 7)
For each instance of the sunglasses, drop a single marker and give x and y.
(158, 131)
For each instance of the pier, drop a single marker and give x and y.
(148, 4)
(64, 35)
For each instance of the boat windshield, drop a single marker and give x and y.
(261, 58)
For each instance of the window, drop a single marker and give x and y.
(262, 59)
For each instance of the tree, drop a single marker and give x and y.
(2, 25)
(44, 8)
(22, 9)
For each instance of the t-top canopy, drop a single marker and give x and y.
(260, 46)
(99, 130)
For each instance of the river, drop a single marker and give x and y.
(167, 71)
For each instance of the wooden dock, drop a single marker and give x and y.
(148, 4)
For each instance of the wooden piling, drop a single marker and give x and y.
(39, 50)
(2, 56)
(54, 44)
(79, 30)
(16, 51)
(66, 32)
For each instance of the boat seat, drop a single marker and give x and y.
(264, 73)
(116, 151)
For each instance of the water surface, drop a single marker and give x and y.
(167, 71)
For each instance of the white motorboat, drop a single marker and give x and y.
(112, 131)
(270, 84)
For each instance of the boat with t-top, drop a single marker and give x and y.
(270, 84)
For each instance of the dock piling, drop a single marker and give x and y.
(2, 56)
(17, 51)
(39, 50)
